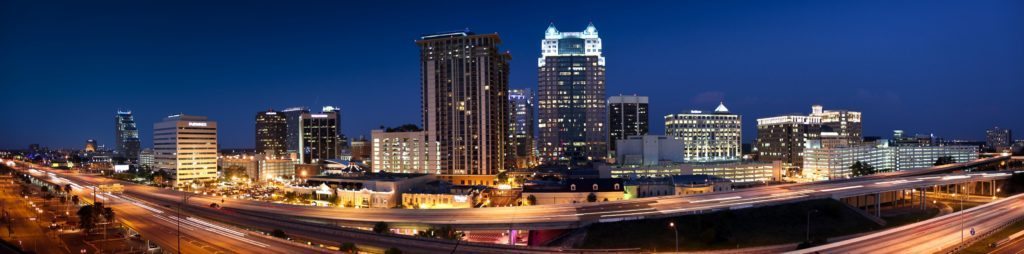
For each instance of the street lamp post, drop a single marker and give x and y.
(809, 225)
(961, 217)
(676, 231)
(184, 199)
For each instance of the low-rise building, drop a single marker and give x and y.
(835, 163)
(368, 190)
(735, 171)
(571, 191)
(647, 150)
(261, 167)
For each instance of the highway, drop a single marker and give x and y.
(934, 235)
(160, 225)
(566, 215)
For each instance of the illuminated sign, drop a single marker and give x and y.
(197, 124)
(272, 113)
(318, 115)
(460, 199)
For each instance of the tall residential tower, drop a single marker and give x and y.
(571, 93)
(465, 106)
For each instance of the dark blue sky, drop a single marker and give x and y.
(953, 68)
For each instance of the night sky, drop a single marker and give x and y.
(952, 68)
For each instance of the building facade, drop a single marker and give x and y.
(521, 123)
(998, 138)
(403, 152)
(319, 137)
(708, 137)
(465, 106)
(783, 138)
(571, 97)
(126, 136)
(627, 116)
(648, 150)
(293, 129)
(146, 158)
(271, 133)
(823, 163)
(186, 147)
(261, 167)
(845, 123)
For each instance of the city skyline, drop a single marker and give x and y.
(898, 83)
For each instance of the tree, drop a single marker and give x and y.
(348, 247)
(336, 200)
(278, 233)
(235, 171)
(290, 196)
(943, 160)
(45, 189)
(861, 169)
(446, 232)
(381, 227)
(592, 197)
(503, 177)
(531, 199)
(393, 250)
(85, 218)
(74, 200)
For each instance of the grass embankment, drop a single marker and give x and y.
(982, 246)
(734, 228)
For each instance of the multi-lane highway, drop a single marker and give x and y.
(161, 225)
(571, 215)
(934, 235)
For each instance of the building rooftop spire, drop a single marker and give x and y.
(721, 108)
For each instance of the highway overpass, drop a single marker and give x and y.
(576, 215)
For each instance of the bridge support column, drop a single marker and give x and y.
(878, 205)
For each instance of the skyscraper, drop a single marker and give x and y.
(707, 137)
(319, 137)
(783, 138)
(342, 140)
(571, 93)
(186, 147)
(271, 133)
(627, 116)
(465, 106)
(126, 136)
(845, 123)
(292, 136)
(521, 122)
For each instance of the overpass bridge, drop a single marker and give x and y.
(568, 216)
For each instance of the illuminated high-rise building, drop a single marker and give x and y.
(318, 137)
(126, 136)
(627, 116)
(292, 134)
(783, 138)
(707, 136)
(465, 106)
(998, 138)
(271, 133)
(845, 123)
(521, 123)
(186, 147)
(571, 94)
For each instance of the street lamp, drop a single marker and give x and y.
(672, 225)
(184, 199)
(809, 225)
